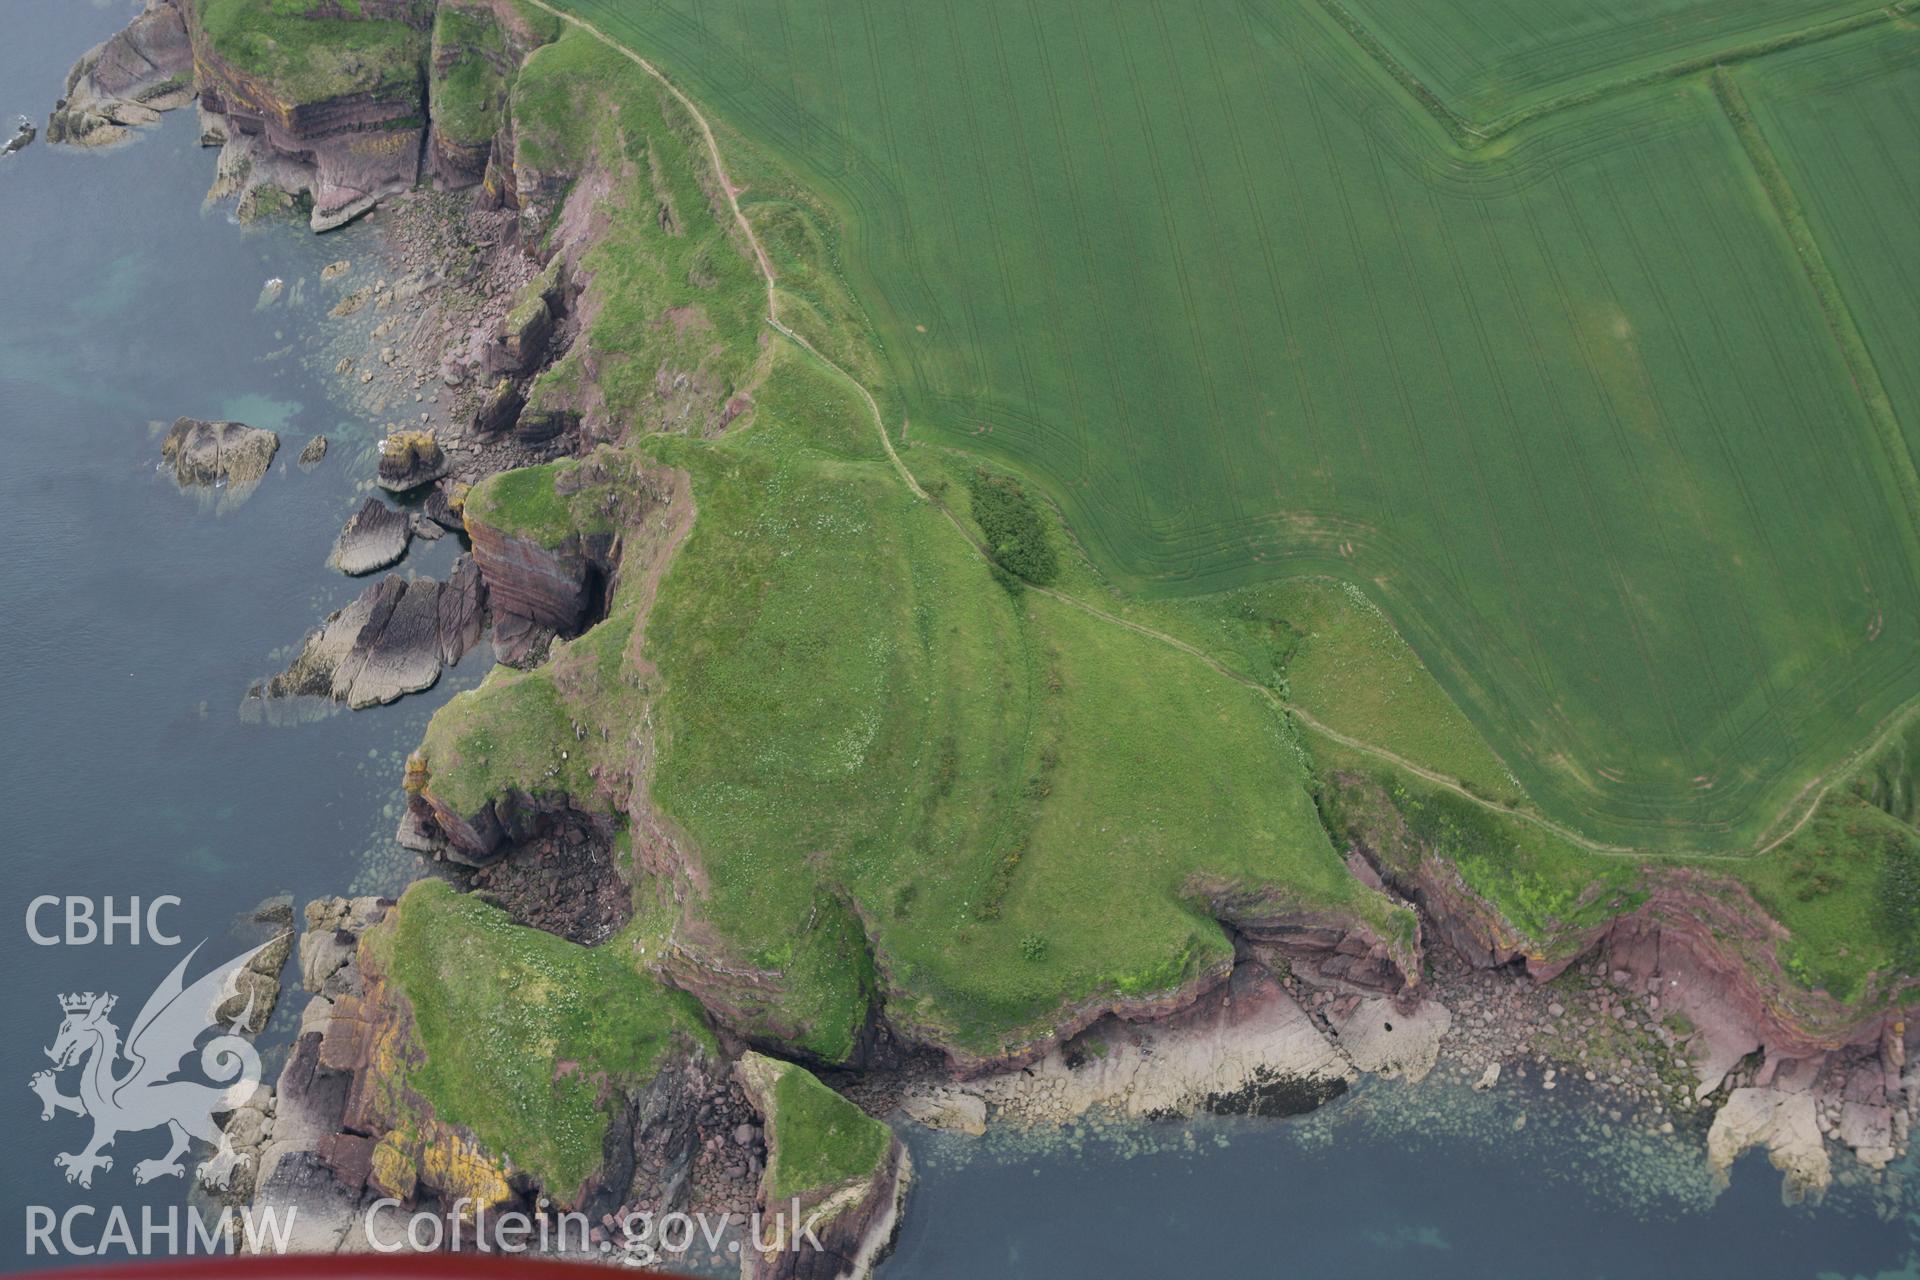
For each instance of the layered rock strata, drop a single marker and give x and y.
(127, 80)
(375, 537)
(392, 640)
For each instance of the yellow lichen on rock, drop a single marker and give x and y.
(410, 446)
(458, 1168)
(393, 1172)
(415, 779)
(409, 458)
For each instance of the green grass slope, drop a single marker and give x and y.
(547, 503)
(1018, 801)
(1570, 410)
(819, 1140)
(471, 69)
(672, 288)
(527, 1037)
(515, 732)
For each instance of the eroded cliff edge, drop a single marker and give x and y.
(324, 106)
(724, 618)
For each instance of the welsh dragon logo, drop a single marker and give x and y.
(144, 1093)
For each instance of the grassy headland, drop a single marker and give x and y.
(309, 51)
(526, 1036)
(898, 780)
(903, 780)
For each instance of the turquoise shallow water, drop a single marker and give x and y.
(132, 620)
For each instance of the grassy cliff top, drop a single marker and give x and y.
(818, 1139)
(1845, 885)
(477, 46)
(308, 58)
(873, 742)
(548, 504)
(525, 1034)
(673, 294)
(471, 73)
(515, 732)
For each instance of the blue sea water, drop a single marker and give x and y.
(132, 620)
(132, 616)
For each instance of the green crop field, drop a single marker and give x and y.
(1844, 120)
(1571, 408)
(1279, 478)
(897, 774)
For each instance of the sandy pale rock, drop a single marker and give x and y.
(951, 1109)
(1247, 1048)
(1786, 1124)
(1868, 1129)
(1382, 1040)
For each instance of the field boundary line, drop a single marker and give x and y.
(1456, 125)
(1470, 136)
(1817, 789)
(1726, 56)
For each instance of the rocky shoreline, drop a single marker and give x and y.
(1658, 1015)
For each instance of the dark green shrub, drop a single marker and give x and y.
(1015, 532)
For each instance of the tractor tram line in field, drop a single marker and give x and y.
(1833, 304)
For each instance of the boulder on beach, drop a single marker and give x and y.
(499, 409)
(518, 343)
(946, 1108)
(446, 506)
(1398, 1044)
(254, 990)
(351, 303)
(375, 536)
(229, 454)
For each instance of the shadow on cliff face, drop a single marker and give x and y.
(567, 879)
